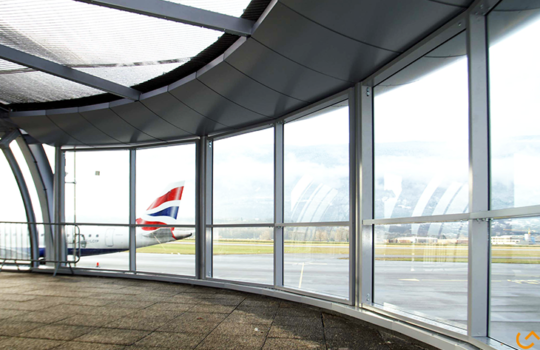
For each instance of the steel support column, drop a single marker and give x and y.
(353, 194)
(132, 210)
(278, 204)
(208, 207)
(25, 194)
(365, 156)
(479, 250)
(59, 205)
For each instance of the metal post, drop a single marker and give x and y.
(279, 238)
(200, 222)
(478, 279)
(208, 206)
(42, 175)
(59, 205)
(132, 210)
(23, 188)
(353, 175)
(365, 156)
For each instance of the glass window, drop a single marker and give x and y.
(515, 279)
(421, 136)
(244, 254)
(12, 209)
(422, 269)
(514, 77)
(317, 260)
(317, 166)
(244, 178)
(14, 146)
(97, 191)
(166, 196)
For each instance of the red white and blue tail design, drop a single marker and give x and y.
(163, 210)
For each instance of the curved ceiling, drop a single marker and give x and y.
(298, 53)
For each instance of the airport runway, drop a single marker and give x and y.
(434, 290)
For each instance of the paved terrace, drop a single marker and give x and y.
(43, 312)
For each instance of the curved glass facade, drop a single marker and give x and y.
(413, 195)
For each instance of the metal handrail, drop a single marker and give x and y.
(76, 247)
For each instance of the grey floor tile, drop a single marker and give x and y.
(182, 326)
(215, 309)
(28, 344)
(313, 321)
(293, 344)
(296, 332)
(161, 314)
(172, 340)
(360, 338)
(88, 320)
(130, 304)
(170, 307)
(138, 323)
(298, 312)
(260, 303)
(113, 336)
(40, 317)
(201, 317)
(12, 329)
(10, 313)
(222, 342)
(57, 332)
(72, 345)
(235, 329)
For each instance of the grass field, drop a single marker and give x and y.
(389, 252)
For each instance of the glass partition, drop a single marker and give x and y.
(513, 30)
(97, 192)
(317, 260)
(244, 178)
(316, 190)
(317, 166)
(244, 254)
(243, 191)
(422, 269)
(421, 136)
(165, 195)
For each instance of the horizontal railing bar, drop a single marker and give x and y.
(418, 219)
(533, 210)
(289, 224)
(239, 225)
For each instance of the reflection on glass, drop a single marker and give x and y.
(421, 136)
(317, 260)
(244, 178)
(317, 166)
(97, 191)
(515, 279)
(244, 254)
(422, 269)
(513, 30)
(166, 196)
(103, 247)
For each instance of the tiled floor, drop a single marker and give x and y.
(43, 312)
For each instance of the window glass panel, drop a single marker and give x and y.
(422, 269)
(166, 196)
(14, 146)
(317, 166)
(244, 178)
(514, 77)
(51, 153)
(317, 260)
(244, 254)
(12, 209)
(515, 279)
(421, 136)
(97, 191)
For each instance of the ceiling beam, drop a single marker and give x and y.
(77, 76)
(180, 13)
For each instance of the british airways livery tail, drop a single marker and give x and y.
(163, 211)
